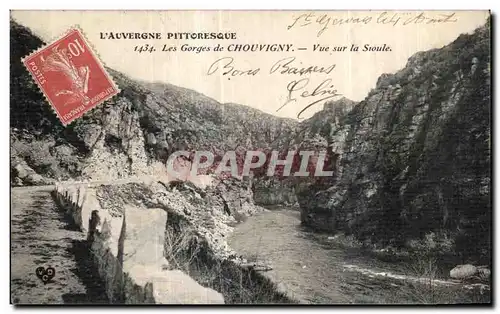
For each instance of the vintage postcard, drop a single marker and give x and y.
(250, 157)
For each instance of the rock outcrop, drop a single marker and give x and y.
(22, 174)
(414, 156)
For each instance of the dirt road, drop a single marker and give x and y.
(42, 236)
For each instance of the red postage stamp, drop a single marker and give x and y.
(71, 76)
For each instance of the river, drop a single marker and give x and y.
(312, 268)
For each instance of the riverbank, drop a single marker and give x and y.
(317, 270)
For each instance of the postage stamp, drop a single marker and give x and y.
(71, 76)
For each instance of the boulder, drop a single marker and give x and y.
(21, 170)
(18, 182)
(36, 179)
(25, 175)
(463, 271)
(483, 272)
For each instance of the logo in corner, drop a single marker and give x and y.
(45, 275)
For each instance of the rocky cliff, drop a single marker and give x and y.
(320, 133)
(414, 155)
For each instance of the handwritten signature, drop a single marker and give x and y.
(298, 89)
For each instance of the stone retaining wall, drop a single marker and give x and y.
(128, 249)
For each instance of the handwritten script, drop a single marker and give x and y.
(323, 21)
(286, 66)
(296, 89)
(300, 88)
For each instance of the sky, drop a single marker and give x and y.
(350, 74)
